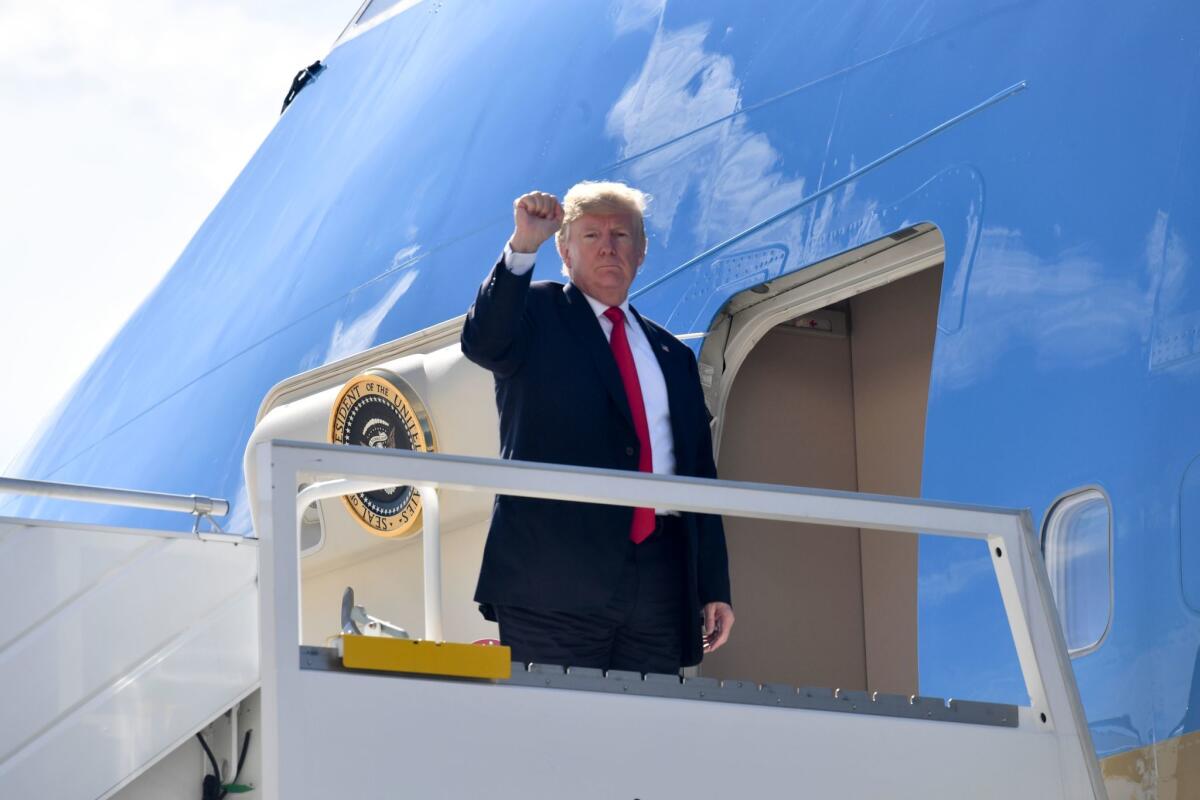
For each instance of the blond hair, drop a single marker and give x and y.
(602, 197)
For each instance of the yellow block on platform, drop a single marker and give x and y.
(386, 654)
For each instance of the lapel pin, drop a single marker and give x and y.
(664, 348)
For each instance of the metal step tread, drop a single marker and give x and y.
(589, 679)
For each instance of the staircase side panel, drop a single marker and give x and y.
(107, 675)
(412, 737)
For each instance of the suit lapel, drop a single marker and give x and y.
(676, 382)
(586, 330)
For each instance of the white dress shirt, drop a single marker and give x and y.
(650, 376)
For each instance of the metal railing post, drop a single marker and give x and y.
(431, 550)
(431, 543)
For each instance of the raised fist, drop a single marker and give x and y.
(537, 216)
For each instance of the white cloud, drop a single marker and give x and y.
(356, 336)
(632, 15)
(950, 581)
(682, 87)
(124, 124)
(1067, 309)
(1168, 261)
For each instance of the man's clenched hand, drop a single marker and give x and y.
(537, 217)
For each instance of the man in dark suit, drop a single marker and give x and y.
(582, 378)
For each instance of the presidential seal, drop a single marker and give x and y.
(378, 409)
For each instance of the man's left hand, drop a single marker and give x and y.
(718, 621)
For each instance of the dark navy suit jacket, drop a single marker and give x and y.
(561, 401)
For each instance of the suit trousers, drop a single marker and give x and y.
(640, 629)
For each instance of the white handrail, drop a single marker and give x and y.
(159, 501)
(282, 465)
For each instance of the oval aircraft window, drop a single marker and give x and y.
(1078, 548)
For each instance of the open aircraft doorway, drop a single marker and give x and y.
(821, 379)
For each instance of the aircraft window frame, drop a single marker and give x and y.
(1052, 531)
(1189, 548)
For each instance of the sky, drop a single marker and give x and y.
(122, 123)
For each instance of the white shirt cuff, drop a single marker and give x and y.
(518, 263)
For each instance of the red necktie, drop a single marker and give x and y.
(643, 518)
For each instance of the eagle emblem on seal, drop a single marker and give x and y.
(379, 409)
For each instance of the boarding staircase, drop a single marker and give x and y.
(367, 727)
(116, 645)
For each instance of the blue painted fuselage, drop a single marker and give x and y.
(1055, 145)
